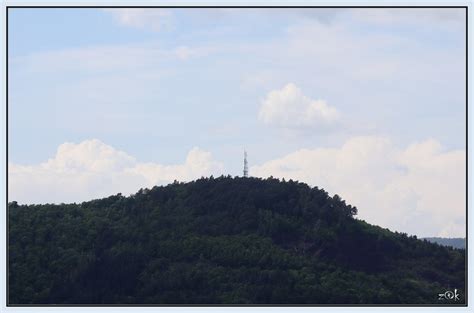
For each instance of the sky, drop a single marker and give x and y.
(368, 104)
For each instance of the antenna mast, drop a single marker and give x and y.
(246, 169)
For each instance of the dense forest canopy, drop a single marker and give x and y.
(221, 241)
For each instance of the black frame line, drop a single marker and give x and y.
(466, 7)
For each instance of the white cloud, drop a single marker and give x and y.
(90, 155)
(105, 58)
(157, 18)
(92, 169)
(290, 108)
(434, 17)
(419, 190)
(154, 19)
(198, 163)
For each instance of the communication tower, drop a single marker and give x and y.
(246, 168)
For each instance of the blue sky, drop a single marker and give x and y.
(312, 94)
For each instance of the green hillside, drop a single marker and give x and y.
(221, 241)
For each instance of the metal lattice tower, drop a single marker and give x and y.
(246, 169)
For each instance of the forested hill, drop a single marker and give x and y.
(221, 241)
(459, 243)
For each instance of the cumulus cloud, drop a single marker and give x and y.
(290, 108)
(419, 189)
(154, 19)
(92, 169)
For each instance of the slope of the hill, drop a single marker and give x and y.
(221, 241)
(459, 243)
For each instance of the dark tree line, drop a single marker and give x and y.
(220, 240)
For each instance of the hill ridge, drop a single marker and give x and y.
(221, 240)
